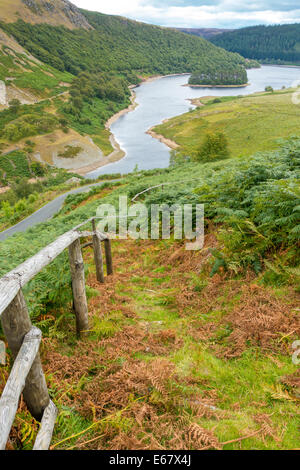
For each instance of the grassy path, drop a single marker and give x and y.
(165, 365)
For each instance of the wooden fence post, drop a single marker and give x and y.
(16, 324)
(44, 436)
(98, 254)
(108, 256)
(78, 286)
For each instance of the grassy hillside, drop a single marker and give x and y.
(44, 111)
(269, 44)
(251, 123)
(120, 45)
(21, 70)
(226, 184)
(37, 120)
(43, 92)
(187, 349)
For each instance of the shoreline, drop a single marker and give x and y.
(129, 109)
(114, 156)
(157, 77)
(281, 65)
(218, 86)
(118, 153)
(197, 101)
(164, 140)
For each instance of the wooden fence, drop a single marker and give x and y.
(24, 339)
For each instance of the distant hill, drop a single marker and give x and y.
(274, 44)
(64, 72)
(115, 43)
(54, 12)
(206, 33)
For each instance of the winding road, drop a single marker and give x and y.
(46, 212)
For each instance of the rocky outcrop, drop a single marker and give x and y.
(33, 6)
(55, 11)
(74, 15)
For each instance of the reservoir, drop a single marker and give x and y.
(158, 100)
(166, 97)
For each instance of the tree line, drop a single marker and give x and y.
(280, 43)
(218, 75)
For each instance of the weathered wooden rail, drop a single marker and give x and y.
(24, 339)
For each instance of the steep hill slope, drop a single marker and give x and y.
(119, 44)
(280, 43)
(54, 12)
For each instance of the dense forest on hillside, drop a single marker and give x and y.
(280, 43)
(121, 45)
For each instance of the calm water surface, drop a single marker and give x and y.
(165, 98)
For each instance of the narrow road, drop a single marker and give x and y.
(46, 212)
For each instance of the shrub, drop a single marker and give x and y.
(29, 125)
(14, 105)
(214, 147)
(38, 169)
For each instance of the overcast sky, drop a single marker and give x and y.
(200, 13)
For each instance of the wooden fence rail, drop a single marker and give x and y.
(23, 339)
(16, 382)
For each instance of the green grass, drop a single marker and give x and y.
(36, 81)
(70, 152)
(14, 165)
(250, 383)
(251, 124)
(242, 388)
(93, 118)
(26, 197)
(102, 139)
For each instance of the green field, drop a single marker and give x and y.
(251, 124)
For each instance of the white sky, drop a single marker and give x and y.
(197, 13)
